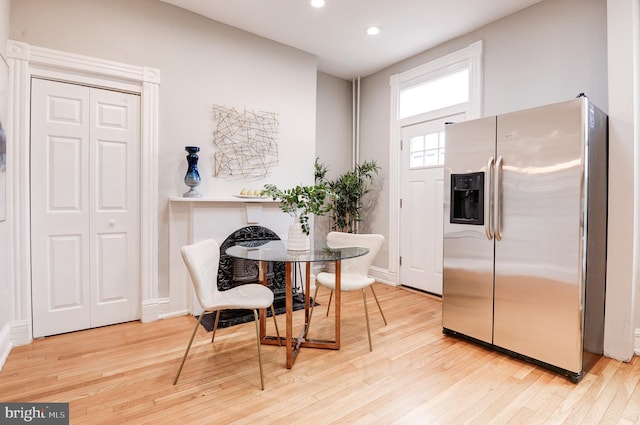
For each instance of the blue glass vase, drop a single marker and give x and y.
(192, 178)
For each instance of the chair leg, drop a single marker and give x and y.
(366, 315)
(193, 334)
(275, 322)
(379, 308)
(329, 303)
(257, 320)
(215, 325)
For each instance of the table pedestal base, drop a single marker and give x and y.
(291, 343)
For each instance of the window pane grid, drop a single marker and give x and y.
(427, 150)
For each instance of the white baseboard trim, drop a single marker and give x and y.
(20, 333)
(171, 314)
(5, 344)
(636, 342)
(164, 305)
(384, 276)
(150, 311)
(158, 309)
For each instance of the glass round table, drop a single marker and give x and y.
(265, 251)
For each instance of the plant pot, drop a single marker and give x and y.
(297, 240)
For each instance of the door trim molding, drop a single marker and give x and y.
(25, 62)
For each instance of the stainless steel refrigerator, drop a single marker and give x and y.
(525, 213)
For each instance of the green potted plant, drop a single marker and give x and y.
(345, 206)
(300, 202)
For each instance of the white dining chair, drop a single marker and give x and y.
(354, 271)
(202, 260)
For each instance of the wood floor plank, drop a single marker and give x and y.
(414, 375)
(632, 406)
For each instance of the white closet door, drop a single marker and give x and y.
(59, 208)
(84, 202)
(114, 207)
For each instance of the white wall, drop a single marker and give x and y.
(5, 293)
(5, 6)
(334, 132)
(624, 179)
(201, 63)
(334, 129)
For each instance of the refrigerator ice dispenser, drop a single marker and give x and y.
(467, 198)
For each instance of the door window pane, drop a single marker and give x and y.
(431, 141)
(417, 143)
(427, 150)
(417, 160)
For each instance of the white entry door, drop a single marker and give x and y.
(85, 229)
(422, 183)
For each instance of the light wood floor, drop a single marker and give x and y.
(415, 375)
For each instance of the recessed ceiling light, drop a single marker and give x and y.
(373, 30)
(317, 3)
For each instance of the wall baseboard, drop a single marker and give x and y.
(165, 309)
(5, 344)
(20, 333)
(384, 276)
(13, 334)
(150, 311)
(636, 342)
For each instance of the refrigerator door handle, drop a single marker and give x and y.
(488, 196)
(497, 196)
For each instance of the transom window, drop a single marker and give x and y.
(448, 90)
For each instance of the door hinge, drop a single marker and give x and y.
(400, 202)
(401, 260)
(400, 144)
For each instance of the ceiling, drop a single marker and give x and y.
(335, 33)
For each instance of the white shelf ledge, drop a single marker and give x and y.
(221, 199)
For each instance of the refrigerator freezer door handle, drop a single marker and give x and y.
(497, 196)
(488, 196)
